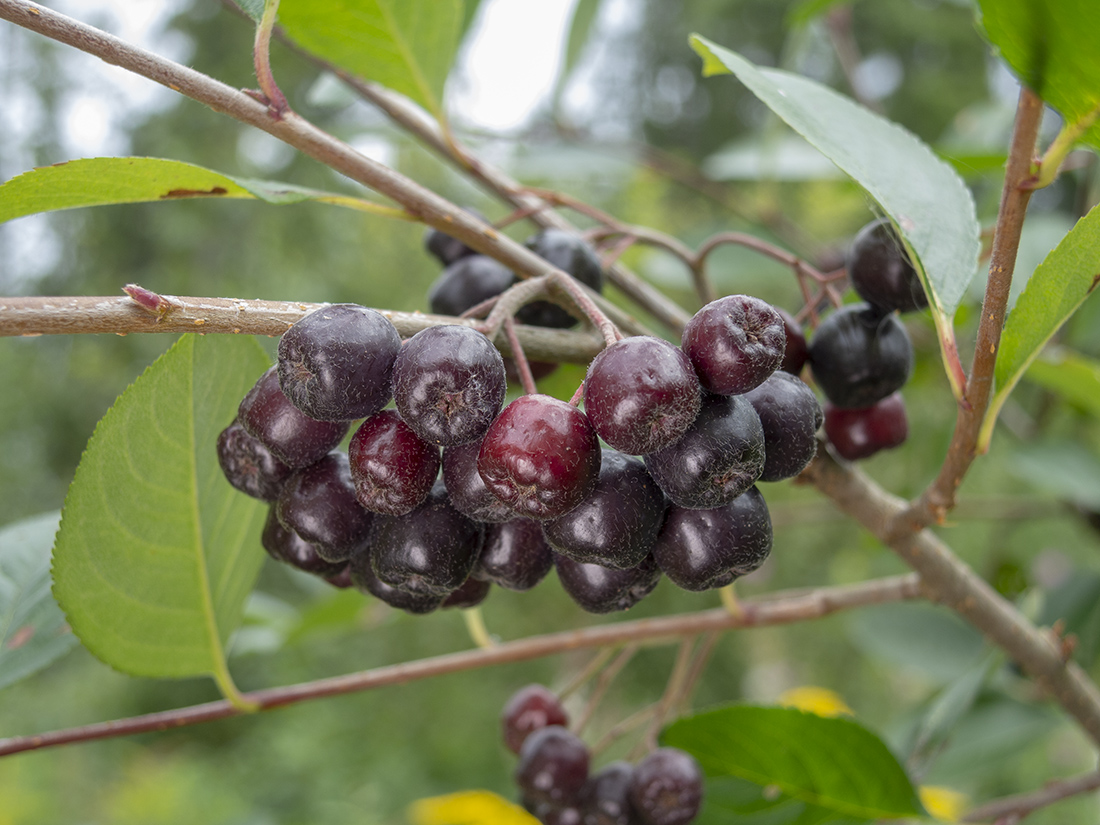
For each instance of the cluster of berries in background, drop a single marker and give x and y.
(450, 491)
(556, 785)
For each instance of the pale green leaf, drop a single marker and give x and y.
(406, 45)
(157, 553)
(1070, 375)
(253, 8)
(830, 763)
(922, 195)
(33, 632)
(584, 15)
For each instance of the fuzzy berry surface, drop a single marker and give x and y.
(735, 343)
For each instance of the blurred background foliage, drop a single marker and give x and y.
(632, 128)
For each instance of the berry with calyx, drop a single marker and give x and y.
(790, 416)
(605, 800)
(529, 709)
(391, 466)
(430, 551)
(861, 433)
(707, 549)
(667, 788)
(449, 384)
(599, 589)
(553, 766)
(468, 282)
(617, 524)
(540, 456)
(250, 466)
(468, 492)
(318, 503)
(515, 555)
(881, 272)
(641, 394)
(860, 356)
(717, 459)
(567, 252)
(364, 580)
(288, 547)
(292, 436)
(735, 343)
(447, 249)
(335, 364)
(797, 351)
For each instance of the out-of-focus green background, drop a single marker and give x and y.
(633, 129)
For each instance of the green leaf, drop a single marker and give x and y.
(1066, 468)
(1059, 285)
(808, 10)
(947, 709)
(729, 799)
(584, 15)
(469, 14)
(157, 553)
(1054, 49)
(1076, 603)
(253, 8)
(923, 196)
(102, 181)
(407, 45)
(1071, 375)
(33, 632)
(830, 763)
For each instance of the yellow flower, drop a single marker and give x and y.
(468, 808)
(818, 700)
(942, 803)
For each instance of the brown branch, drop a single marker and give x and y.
(776, 609)
(939, 497)
(947, 580)
(1021, 805)
(122, 315)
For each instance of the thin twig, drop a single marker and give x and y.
(523, 367)
(670, 698)
(779, 609)
(698, 666)
(603, 684)
(594, 666)
(1020, 805)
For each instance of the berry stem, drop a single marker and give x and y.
(730, 601)
(1014, 808)
(624, 727)
(603, 684)
(594, 666)
(673, 690)
(271, 94)
(475, 626)
(526, 378)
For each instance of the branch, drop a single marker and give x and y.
(776, 609)
(122, 315)
(1020, 805)
(947, 580)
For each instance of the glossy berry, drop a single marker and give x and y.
(617, 524)
(335, 364)
(860, 356)
(880, 270)
(449, 384)
(391, 466)
(430, 551)
(318, 503)
(790, 416)
(599, 589)
(567, 252)
(250, 466)
(717, 459)
(529, 709)
(363, 578)
(641, 394)
(472, 593)
(288, 547)
(468, 282)
(706, 549)
(605, 800)
(515, 555)
(553, 766)
(861, 433)
(734, 343)
(468, 492)
(447, 249)
(667, 788)
(292, 436)
(797, 351)
(540, 456)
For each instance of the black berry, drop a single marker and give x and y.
(250, 466)
(790, 416)
(861, 433)
(735, 343)
(599, 589)
(667, 788)
(553, 766)
(318, 503)
(468, 492)
(391, 466)
(468, 282)
(881, 272)
(529, 709)
(860, 356)
(515, 555)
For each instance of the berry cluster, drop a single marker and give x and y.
(861, 354)
(664, 788)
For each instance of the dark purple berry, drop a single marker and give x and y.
(449, 384)
(342, 579)
(617, 524)
(515, 554)
(430, 551)
(541, 457)
(567, 252)
(605, 800)
(364, 579)
(391, 466)
(250, 466)
(641, 394)
(529, 709)
(472, 593)
(880, 270)
(468, 492)
(797, 351)
(335, 364)
(448, 249)
(318, 503)
(861, 433)
(860, 356)
(292, 436)
(667, 788)
(553, 766)
(468, 282)
(706, 549)
(288, 547)
(599, 589)
(790, 416)
(717, 459)
(735, 343)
